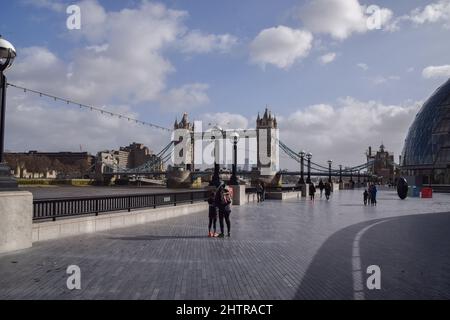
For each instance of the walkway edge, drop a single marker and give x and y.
(62, 228)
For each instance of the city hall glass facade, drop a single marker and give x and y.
(426, 152)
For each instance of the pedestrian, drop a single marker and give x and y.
(327, 188)
(212, 215)
(373, 195)
(259, 192)
(223, 202)
(369, 196)
(263, 192)
(321, 187)
(312, 191)
(366, 196)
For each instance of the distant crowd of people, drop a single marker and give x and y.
(322, 187)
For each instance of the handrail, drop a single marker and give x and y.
(53, 208)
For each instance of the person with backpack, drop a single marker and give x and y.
(212, 215)
(223, 202)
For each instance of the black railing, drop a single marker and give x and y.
(50, 209)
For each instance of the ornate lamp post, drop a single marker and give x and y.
(215, 181)
(340, 173)
(7, 56)
(302, 155)
(329, 170)
(308, 157)
(234, 180)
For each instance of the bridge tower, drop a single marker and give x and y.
(186, 154)
(267, 144)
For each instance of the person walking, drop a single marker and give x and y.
(258, 192)
(312, 191)
(223, 202)
(369, 195)
(327, 188)
(212, 215)
(321, 188)
(373, 195)
(365, 196)
(263, 192)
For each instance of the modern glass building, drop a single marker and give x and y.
(426, 153)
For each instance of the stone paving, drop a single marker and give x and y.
(293, 249)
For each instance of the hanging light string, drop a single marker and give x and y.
(91, 108)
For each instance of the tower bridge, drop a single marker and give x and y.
(186, 146)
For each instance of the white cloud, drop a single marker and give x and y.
(345, 130)
(436, 72)
(197, 42)
(37, 125)
(432, 13)
(186, 97)
(123, 60)
(363, 66)
(436, 12)
(225, 120)
(338, 18)
(280, 46)
(327, 58)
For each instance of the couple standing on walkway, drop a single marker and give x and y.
(219, 203)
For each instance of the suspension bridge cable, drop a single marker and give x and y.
(91, 108)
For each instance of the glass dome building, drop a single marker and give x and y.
(426, 153)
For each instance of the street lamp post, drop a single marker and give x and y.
(329, 170)
(302, 173)
(308, 157)
(215, 181)
(7, 56)
(234, 180)
(340, 173)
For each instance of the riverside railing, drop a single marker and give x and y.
(51, 209)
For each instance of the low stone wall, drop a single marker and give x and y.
(283, 195)
(16, 214)
(75, 226)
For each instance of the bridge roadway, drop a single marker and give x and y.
(278, 250)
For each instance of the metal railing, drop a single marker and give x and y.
(51, 209)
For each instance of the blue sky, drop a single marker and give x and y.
(223, 61)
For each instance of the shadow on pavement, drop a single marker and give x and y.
(413, 253)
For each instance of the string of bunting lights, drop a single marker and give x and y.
(91, 108)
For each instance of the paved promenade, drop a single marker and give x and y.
(278, 250)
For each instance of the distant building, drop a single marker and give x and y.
(426, 152)
(383, 164)
(129, 157)
(50, 165)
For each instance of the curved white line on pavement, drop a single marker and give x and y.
(358, 284)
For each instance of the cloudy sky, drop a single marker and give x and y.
(336, 83)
